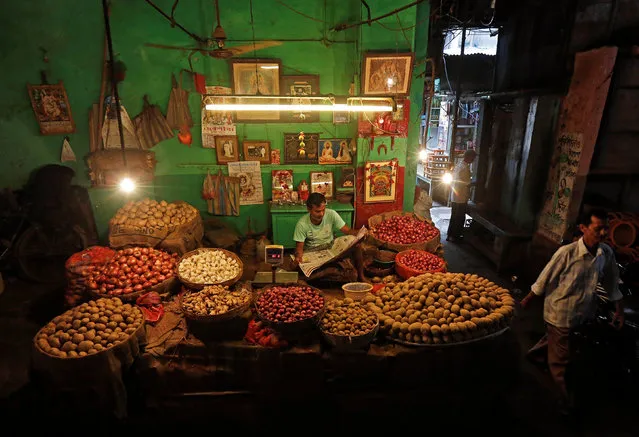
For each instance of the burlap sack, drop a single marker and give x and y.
(183, 238)
(430, 245)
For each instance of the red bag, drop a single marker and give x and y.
(78, 267)
(151, 305)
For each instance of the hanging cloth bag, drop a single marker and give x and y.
(151, 126)
(178, 114)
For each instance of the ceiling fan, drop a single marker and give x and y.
(215, 45)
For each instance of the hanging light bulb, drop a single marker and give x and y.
(127, 185)
(447, 178)
(423, 155)
(390, 82)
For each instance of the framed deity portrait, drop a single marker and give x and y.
(226, 148)
(386, 74)
(52, 110)
(257, 151)
(300, 148)
(335, 151)
(300, 87)
(380, 181)
(252, 77)
(322, 182)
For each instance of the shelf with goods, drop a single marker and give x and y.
(436, 164)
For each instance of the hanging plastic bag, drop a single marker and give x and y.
(178, 114)
(67, 151)
(208, 191)
(151, 126)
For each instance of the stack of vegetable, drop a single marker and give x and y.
(289, 304)
(132, 270)
(209, 266)
(348, 318)
(89, 328)
(149, 213)
(215, 300)
(404, 229)
(437, 308)
(416, 262)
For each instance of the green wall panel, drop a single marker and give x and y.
(71, 32)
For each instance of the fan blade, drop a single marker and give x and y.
(163, 46)
(239, 50)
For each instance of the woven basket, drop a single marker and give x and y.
(345, 342)
(163, 287)
(406, 272)
(228, 282)
(429, 245)
(292, 329)
(235, 312)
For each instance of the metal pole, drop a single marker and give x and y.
(455, 111)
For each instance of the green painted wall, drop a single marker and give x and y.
(71, 32)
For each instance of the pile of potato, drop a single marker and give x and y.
(214, 300)
(348, 318)
(208, 267)
(437, 308)
(154, 214)
(89, 328)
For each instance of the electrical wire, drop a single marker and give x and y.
(300, 13)
(403, 32)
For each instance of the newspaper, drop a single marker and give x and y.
(314, 259)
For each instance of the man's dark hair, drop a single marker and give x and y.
(586, 216)
(315, 199)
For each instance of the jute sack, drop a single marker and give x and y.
(179, 239)
(429, 245)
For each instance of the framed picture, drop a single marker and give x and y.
(282, 185)
(335, 151)
(347, 179)
(256, 76)
(51, 107)
(380, 181)
(275, 156)
(322, 182)
(341, 117)
(300, 86)
(227, 149)
(257, 151)
(300, 148)
(387, 73)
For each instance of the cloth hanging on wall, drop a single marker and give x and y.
(67, 151)
(177, 113)
(151, 126)
(110, 131)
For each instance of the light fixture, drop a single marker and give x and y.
(293, 103)
(127, 185)
(390, 82)
(269, 67)
(447, 178)
(423, 155)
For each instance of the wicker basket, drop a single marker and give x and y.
(406, 272)
(235, 312)
(429, 245)
(292, 329)
(228, 282)
(345, 342)
(163, 287)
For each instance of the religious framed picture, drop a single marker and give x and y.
(322, 182)
(257, 151)
(275, 156)
(300, 148)
(335, 151)
(282, 185)
(251, 77)
(380, 181)
(386, 73)
(52, 110)
(226, 148)
(300, 87)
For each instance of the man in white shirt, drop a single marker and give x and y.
(568, 284)
(460, 193)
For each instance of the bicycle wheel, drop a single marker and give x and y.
(41, 255)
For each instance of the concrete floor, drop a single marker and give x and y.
(528, 409)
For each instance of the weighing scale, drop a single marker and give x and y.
(274, 256)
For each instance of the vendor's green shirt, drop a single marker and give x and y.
(322, 235)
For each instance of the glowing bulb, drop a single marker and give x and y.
(423, 155)
(447, 178)
(390, 82)
(127, 185)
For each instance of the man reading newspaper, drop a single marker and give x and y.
(318, 253)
